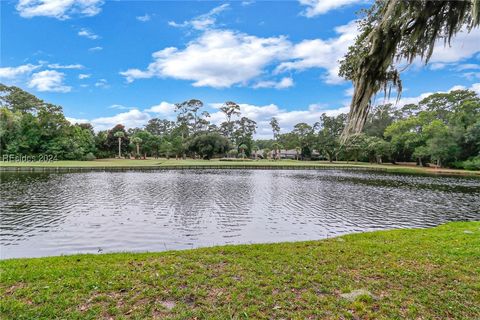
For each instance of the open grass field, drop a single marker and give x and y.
(190, 163)
(415, 274)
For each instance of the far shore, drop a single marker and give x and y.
(152, 164)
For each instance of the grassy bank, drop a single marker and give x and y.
(423, 273)
(172, 163)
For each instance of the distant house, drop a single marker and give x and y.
(285, 154)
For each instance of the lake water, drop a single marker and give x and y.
(64, 213)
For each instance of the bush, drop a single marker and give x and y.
(472, 164)
(90, 157)
(208, 145)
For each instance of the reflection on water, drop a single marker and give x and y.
(54, 213)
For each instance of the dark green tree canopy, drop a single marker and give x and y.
(393, 31)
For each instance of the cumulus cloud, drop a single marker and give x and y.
(223, 58)
(48, 81)
(59, 9)
(84, 32)
(259, 113)
(77, 120)
(475, 87)
(202, 22)
(286, 82)
(13, 73)
(131, 119)
(82, 76)
(319, 7)
(416, 99)
(164, 108)
(323, 54)
(464, 45)
(218, 58)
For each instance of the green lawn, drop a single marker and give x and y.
(172, 163)
(423, 274)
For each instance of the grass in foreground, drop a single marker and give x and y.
(422, 273)
(172, 163)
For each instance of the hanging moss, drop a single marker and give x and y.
(397, 31)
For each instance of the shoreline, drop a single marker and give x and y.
(401, 273)
(162, 164)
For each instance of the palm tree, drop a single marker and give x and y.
(137, 141)
(277, 147)
(266, 152)
(298, 150)
(119, 135)
(255, 148)
(242, 148)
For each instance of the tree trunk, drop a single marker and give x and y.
(119, 148)
(138, 149)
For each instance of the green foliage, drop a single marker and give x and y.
(208, 145)
(398, 30)
(472, 164)
(443, 128)
(90, 157)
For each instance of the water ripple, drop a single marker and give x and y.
(54, 213)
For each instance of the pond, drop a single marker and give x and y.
(46, 214)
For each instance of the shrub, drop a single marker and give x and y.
(472, 164)
(90, 157)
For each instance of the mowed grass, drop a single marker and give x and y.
(421, 273)
(172, 163)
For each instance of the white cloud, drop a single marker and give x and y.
(164, 108)
(82, 76)
(475, 87)
(464, 45)
(144, 18)
(48, 80)
(218, 58)
(318, 7)
(467, 66)
(261, 114)
(13, 73)
(323, 54)
(287, 119)
(131, 119)
(415, 100)
(349, 92)
(285, 82)
(438, 66)
(84, 32)
(247, 3)
(59, 9)
(76, 120)
(119, 107)
(102, 83)
(68, 66)
(202, 22)
(471, 75)
(95, 49)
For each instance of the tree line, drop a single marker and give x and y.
(443, 128)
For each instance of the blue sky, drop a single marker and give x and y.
(110, 62)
